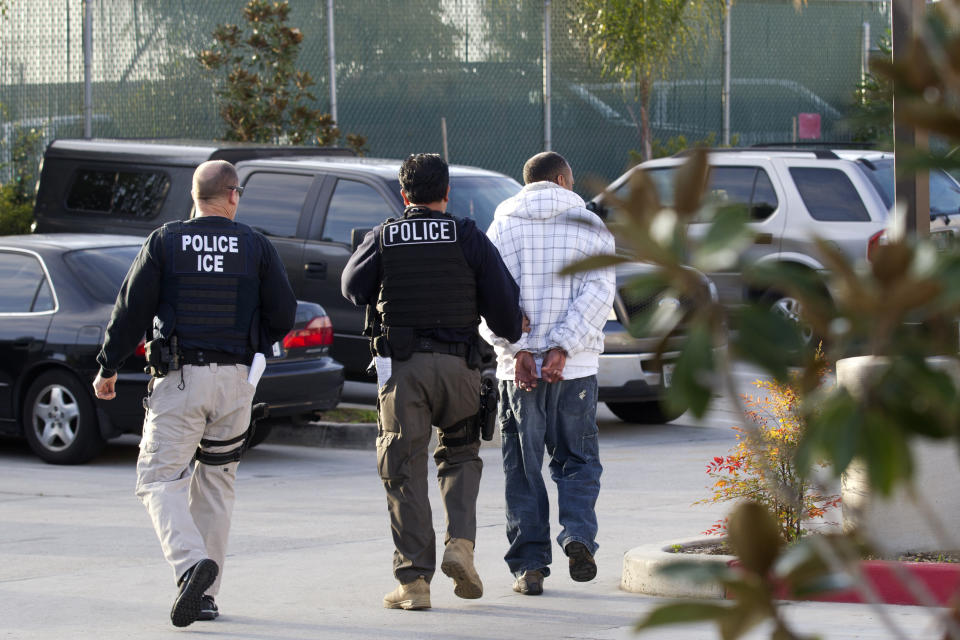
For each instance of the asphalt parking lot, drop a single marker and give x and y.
(310, 549)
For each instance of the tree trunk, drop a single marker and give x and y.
(645, 119)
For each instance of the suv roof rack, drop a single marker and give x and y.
(819, 144)
(824, 154)
(820, 149)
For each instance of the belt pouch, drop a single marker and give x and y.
(401, 342)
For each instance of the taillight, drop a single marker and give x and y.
(875, 241)
(317, 333)
(141, 350)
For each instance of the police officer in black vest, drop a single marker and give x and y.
(428, 277)
(210, 292)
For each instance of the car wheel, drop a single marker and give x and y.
(791, 309)
(648, 412)
(60, 421)
(262, 433)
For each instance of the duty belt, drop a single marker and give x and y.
(435, 346)
(197, 357)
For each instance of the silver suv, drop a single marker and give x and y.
(842, 196)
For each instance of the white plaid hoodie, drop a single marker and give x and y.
(538, 232)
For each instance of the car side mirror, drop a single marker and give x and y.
(356, 237)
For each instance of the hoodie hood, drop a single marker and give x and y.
(542, 201)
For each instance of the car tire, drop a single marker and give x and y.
(60, 420)
(647, 412)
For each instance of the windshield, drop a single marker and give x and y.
(944, 190)
(477, 197)
(101, 270)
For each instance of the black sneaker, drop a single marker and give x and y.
(583, 568)
(208, 609)
(197, 579)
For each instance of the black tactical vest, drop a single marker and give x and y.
(211, 280)
(426, 282)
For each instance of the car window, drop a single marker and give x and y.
(44, 300)
(354, 205)
(880, 173)
(829, 195)
(764, 201)
(24, 287)
(272, 202)
(746, 186)
(944, 193)
(139, 194)
(731, 185)
(662, 180)
(102, 270)
(477, 197)
(944, 190)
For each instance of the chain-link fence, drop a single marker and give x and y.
(405, 65)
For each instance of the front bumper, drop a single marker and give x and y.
(631, 377)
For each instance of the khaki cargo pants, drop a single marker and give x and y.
(429, 389)
(191, 507)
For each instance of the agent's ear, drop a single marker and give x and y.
(446, 198)
(406, 200)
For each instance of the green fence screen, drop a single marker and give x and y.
(404, 65)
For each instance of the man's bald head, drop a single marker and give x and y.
(212, 180)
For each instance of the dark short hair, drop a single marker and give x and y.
(544, 166)
(424, 177)
(212, 178)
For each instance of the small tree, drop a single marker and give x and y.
(17, 195)
(762, 466)
(264, 97)
(638, 41)
(872, 118)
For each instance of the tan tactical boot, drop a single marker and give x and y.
(458, 564)
(413, 595)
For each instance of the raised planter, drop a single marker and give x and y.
(641, 565)
(940, 579)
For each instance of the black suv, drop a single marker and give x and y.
(307, 200)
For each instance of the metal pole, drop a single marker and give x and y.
(333, 61)
(547, 142)
(865, 54)
(725, 95)
(87, 69)
(911, 190)
(443, 136)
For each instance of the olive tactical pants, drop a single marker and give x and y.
(191, 508)
(429, 389)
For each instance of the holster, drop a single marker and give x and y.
(259, 411)
(479, 425)
(399, 342)
(460, 433)
(487, 415)
(162, 356)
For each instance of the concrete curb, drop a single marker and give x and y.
(337, 435)
(641, 565)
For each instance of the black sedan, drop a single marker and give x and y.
(56, 295)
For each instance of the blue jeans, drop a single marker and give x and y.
(560, 417)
